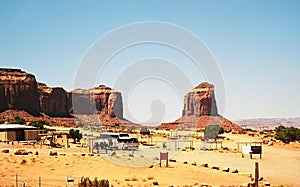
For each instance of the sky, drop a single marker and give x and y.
(256, 45)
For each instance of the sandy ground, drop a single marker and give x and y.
(280, 165)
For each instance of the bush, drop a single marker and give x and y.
(19, 120)
(287, 134)
(39, 124)
(212, 131)
(86, 182)
(75, 135)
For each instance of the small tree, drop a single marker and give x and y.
(39, 124)
(75, 135)
(19, 120)
(212, 131)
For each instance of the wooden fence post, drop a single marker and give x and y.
(256, 174)
(16, 180)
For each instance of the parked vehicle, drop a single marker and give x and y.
(124, 141)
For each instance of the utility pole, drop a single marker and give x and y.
(40, 182)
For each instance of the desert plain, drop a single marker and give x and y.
(279, 165)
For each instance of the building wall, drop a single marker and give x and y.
(21, 135)
(3, 136)
(31, 134)
(11, 135)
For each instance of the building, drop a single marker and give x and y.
(17, 132)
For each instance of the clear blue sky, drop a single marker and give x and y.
(256, 44)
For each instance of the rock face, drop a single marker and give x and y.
(53, 101)
(18, 90)
(200, 101)
(200, 110)
(98, 100)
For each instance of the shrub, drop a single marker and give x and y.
(39, 124)
(212, 131)
(75, 135)
(86, 182)
(287, 134)
(19, 120)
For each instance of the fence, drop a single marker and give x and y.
(23, 181)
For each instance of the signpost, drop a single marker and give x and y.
(256, 150)
(247, 148)
(163, 156)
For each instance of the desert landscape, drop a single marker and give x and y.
(195, 157)
(139, 93)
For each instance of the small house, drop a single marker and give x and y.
(17, 132)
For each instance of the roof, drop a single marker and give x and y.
(115, 133)
(66, 129)
(15, 126)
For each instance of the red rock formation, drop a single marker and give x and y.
(53, 101)
(101, 100)
(200, 101)
(18, 90)
(21, 95)
(107, 101)
(102, 119)
(79, 101)
(201, 123)
(200, 110)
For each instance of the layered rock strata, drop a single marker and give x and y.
(20, 91)
(200, 110)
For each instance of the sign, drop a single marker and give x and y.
(256, 149)
(251, 150)
(246, 149)
(163, 156)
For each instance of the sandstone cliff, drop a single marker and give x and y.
(101, 100)
(200, 101)
(18, 90)
(53, 101)
(200, 110)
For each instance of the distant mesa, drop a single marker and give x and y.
(200, 110)
(269, 123)
(19, 90)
